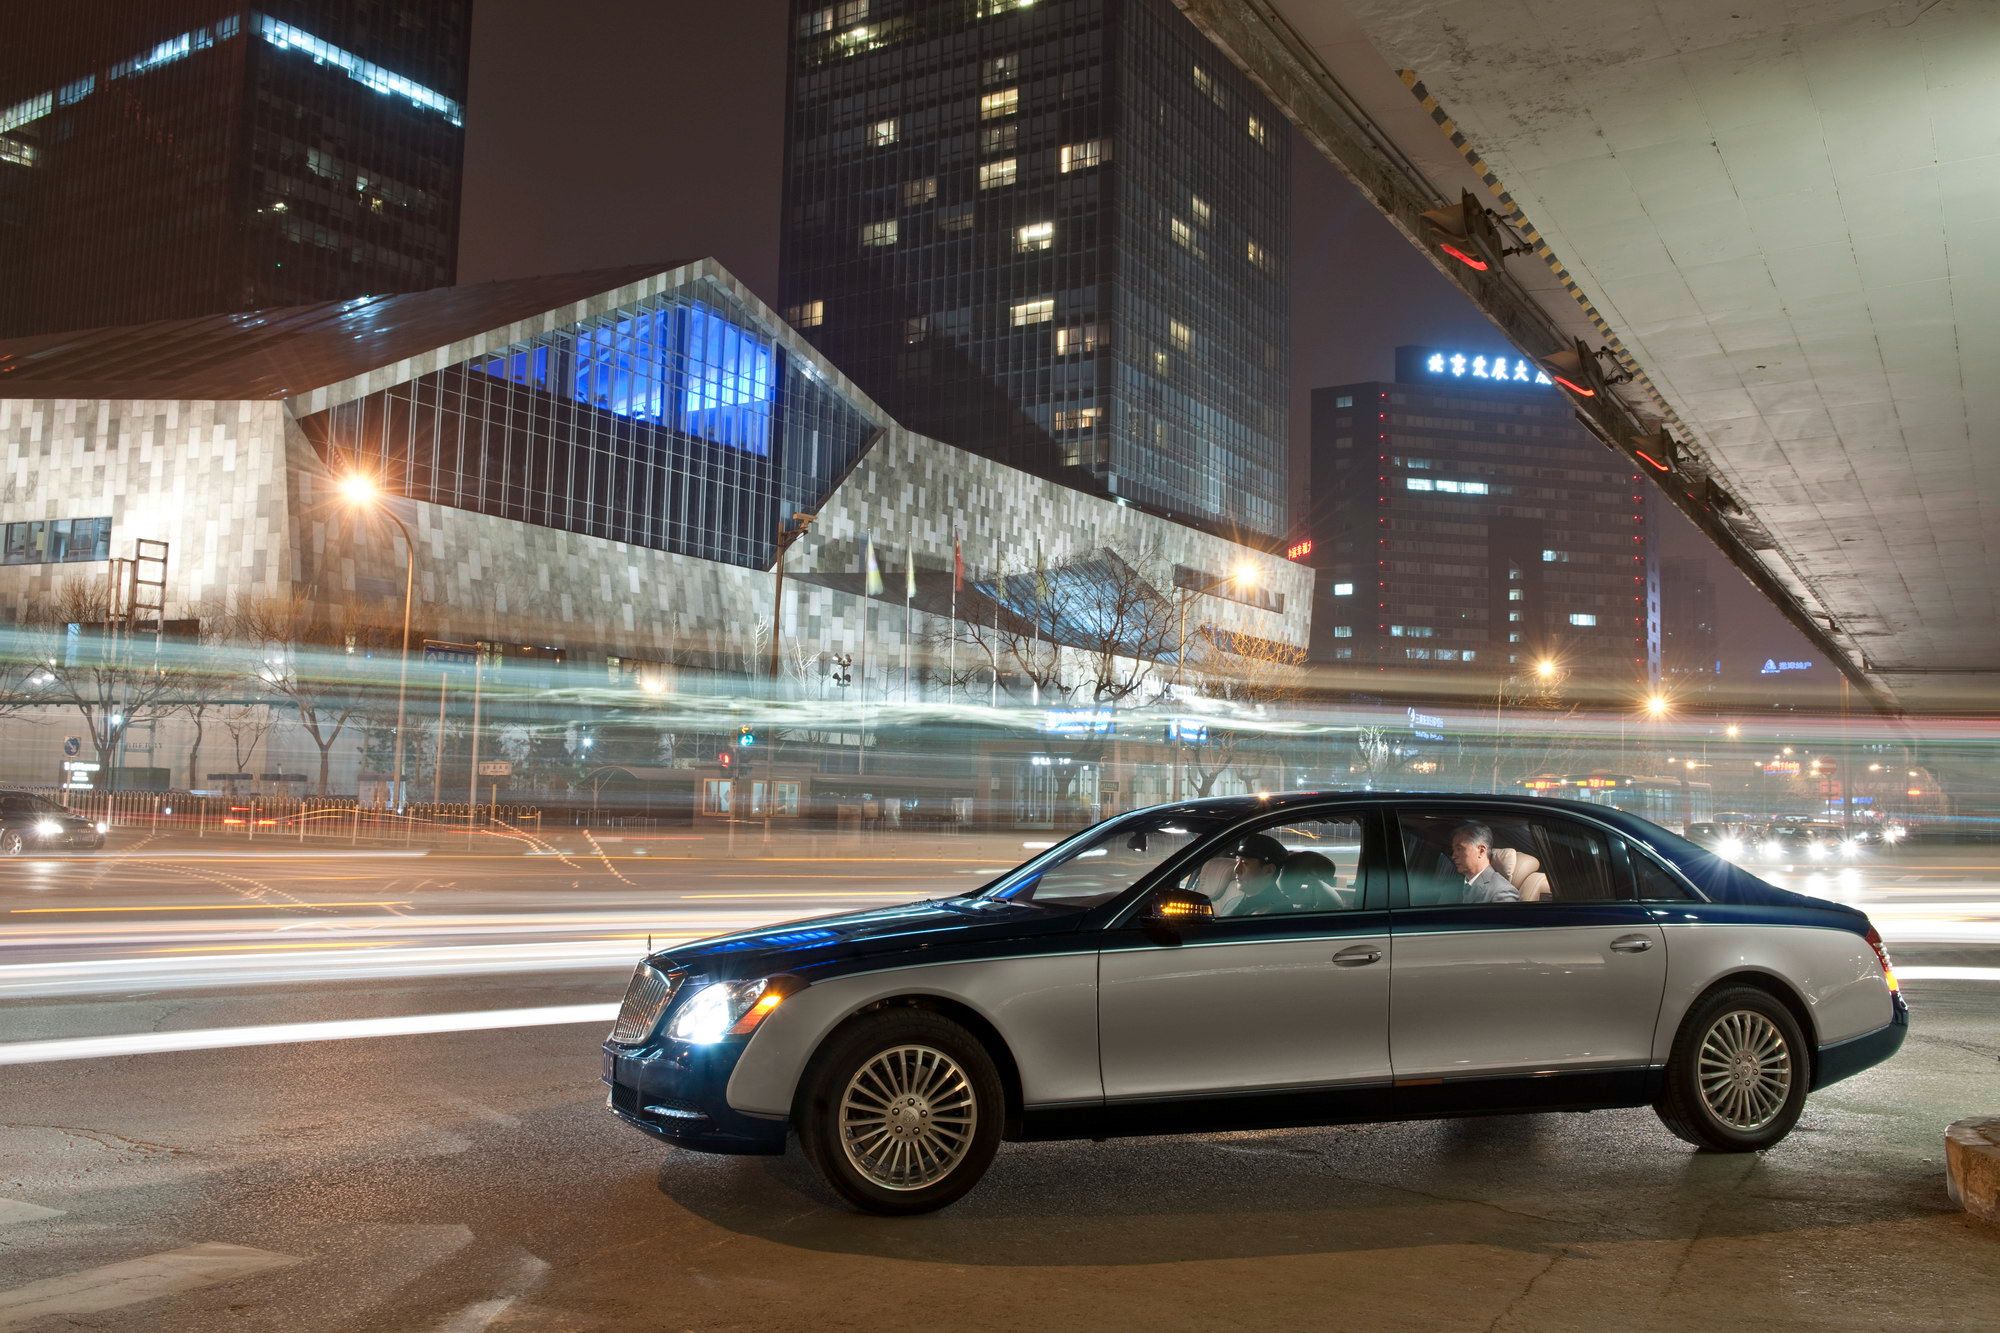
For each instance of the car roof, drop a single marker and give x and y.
(1239, 807)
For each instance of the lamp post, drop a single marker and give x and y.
(361, 493)
(1243, 576)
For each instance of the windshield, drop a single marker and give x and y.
(1101, 862)
(24, 803)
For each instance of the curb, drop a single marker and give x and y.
(1972, 1166)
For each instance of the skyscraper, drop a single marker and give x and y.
(1053, 232)
(191, 157)
(1460, 515)
(1690, 650)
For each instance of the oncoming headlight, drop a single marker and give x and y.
(1849, 847)
(47, 828)
(725, 1009)
(1729, 848)
(103, 827)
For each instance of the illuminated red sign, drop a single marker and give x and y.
(1299, 550)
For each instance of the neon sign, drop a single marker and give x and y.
(1772, 667)
(1299, 550)
(1495, 369)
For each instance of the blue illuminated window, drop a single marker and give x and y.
(729, 387)
(690, 368)
(1582, 618)
(528, 366)
(287, 38)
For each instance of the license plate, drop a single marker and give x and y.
(610, 1067)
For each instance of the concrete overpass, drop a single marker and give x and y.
(1778, 216)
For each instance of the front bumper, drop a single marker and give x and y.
(677, 1092)
(1843, 1059)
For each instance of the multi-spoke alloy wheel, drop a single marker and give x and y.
(1737, 1077)
(901, 1110)
(907, 1117)
(1746, 1070)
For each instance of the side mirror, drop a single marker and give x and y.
(1175, 906)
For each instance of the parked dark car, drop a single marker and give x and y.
(30, 823)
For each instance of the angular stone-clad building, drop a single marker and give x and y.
(599, 462)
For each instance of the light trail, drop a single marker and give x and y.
(285, 1034)
(204, 907)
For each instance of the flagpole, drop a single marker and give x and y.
(951, 648)
(909, 595)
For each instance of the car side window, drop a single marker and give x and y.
(16, 806)
(1654, 883)
(1497, 856)
(1307, 865)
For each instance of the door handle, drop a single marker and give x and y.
(1359, 955)
(1631, 944)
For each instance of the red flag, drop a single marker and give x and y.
(957, 566)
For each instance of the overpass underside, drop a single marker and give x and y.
(1774, 217)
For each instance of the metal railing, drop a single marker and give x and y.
(315, 819)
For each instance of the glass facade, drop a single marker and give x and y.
(674, 423)
(55, 541)
(1478, 518)
(1052, 233)
(189, 157)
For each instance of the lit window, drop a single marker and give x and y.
(993, 175)
(958, 218)
(1417, 483)
(919, 192)
(1083, 156)
(1183, 234)
(1417, 654)
(1343, 590)
(1258, 256)
(1079, 338)
(1075, 419)
(1034, 236)
(993, 9)
(807, 314)
(879, 233)
(852, 12)
(1343, 654)
(1256, 130)
(1513, 617)
(1001, 68)
(1206, 84)
(1412, 631)
(1447, 654)
(1344, 400)
(366, 73)
(1034, 312)
(1469, 654)
(999, 138)
(1343, 631)
(915, 329)
(1181, 335)
(1513, 594)
(815, 23)
(1555, 557)
(1582, 618)
(1203, 214)
(883, 133)
(1003, 103)
(1515, 637)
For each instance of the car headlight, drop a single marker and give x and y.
(1729, 848)
(103, 827)
(1850, 847)
(1816, 850)
(47, 828)
(725, 1009)
(1772, 851)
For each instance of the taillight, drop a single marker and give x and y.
(1882, 957)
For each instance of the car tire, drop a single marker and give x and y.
(11, 842)
(901, 1112)
(1739, 1072)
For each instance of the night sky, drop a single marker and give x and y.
(609, 132)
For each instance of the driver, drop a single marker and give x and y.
(1259, 857)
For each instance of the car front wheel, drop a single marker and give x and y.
(902, 1112)
(1738, 1075)
(11, 842)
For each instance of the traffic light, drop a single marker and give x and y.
(725, 760)
(745, 737)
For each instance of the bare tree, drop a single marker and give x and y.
(1252, 678)
(306, 653)
(77, 659)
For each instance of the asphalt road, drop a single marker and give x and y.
(471, 1178)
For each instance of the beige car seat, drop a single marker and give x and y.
(1524, 872)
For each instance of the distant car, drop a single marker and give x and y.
(1797, 842)
(1224, 964)
(30, 823)
(1727, 839)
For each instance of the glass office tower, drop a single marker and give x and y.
(1055, 232)
(189, 157)
(1463, 523)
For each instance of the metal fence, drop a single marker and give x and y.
(317, 819)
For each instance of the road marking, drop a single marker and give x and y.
(787, 895)
(1923, 973)
(115, 1286)
(283, 948)
(201, 907)
(279, 1034)
(248, 854)
(15, 1210)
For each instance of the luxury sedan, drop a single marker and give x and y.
(1223, 964)
(31, 823)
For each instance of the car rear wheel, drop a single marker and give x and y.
(902, 1112)
(11, 842)
(1738, 1075)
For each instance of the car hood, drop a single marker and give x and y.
(943, 928)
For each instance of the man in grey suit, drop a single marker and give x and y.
(1471, 856)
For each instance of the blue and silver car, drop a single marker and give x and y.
(1226, 964)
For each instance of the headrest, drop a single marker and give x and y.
(1516, 866)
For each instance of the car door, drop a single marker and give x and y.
(1281, 993)
(1565, 975)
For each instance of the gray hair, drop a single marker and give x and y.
(1474, 832)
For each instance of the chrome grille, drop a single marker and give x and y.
(645, 1000)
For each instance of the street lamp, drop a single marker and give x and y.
(1243, 576)
(362, 494)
